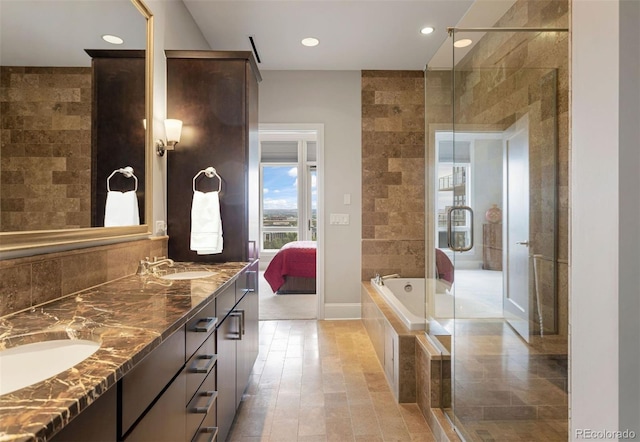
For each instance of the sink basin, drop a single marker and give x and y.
(28, 364)
(188, 275)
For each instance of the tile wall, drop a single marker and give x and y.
(30, 281)
(393, 173)
(507, 76)
(45, 122)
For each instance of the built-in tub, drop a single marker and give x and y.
(406, 296)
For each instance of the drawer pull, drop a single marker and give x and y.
(209, 324)
(237, 335)
(213, 431)
(213, 395)
(207, 367)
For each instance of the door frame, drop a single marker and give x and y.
(318, 128)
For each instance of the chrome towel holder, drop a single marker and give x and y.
(209, 172)
(127, 172)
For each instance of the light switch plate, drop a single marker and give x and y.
(347, 199)
(341, 219)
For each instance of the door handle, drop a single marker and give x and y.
(450, 229)
(523, 243)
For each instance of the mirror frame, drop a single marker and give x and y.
(69, 238)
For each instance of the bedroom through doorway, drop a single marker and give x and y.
(289, 221)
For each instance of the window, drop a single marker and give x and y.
(289, 190)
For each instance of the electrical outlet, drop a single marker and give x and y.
(160, 227)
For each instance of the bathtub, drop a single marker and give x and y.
(406, 296)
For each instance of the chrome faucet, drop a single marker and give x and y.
(146, 267)
(380, 279)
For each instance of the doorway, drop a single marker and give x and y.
(290, 224)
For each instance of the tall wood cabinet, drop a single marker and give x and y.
(117, 130)
(215, 94)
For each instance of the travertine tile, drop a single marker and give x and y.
(42, 126)
(347, 355)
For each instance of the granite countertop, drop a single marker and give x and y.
(129, 317)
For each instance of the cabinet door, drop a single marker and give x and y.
(248, 344)
(165, 421)
(227, 336)
(98, 422)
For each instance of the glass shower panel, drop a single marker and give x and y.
(509, 340)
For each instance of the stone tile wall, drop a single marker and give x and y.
(45, 122)
(507, 76)
(393, 201)
(30, 281)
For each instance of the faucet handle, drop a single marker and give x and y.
(158, 258)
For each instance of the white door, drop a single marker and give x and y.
(517, 293)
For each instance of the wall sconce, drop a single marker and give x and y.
(173, 129)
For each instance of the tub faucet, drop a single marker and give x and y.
(393, 275)
(377, 279)
(145, 266)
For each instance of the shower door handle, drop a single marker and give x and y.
(450, 243)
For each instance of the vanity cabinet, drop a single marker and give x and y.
(98, 422)
(237, 345)
(189, 387)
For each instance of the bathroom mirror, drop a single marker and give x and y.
(50, 127)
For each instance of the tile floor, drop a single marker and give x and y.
(321, 381)
(506, 389)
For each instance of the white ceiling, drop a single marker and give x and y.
(56, 32)
(354, 34)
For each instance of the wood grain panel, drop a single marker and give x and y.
(212, 96)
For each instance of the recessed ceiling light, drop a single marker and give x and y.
(310, 41)
(462, 43)
(113, 39)
(427, 30)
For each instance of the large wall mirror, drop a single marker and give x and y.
(75, 119)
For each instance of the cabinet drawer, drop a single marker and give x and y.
(201, 364)
(147, 379)
(203, 406)
(208, 431)
(200, 327)
(206, 434)
(165, 421)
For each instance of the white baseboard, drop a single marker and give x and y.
(342, 311)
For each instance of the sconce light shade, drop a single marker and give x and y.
(173, 129)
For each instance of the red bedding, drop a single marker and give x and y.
(297, 258)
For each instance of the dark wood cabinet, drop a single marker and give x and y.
(117, 130)
(215, 94)
(492, 246)
(97, 423)
(237, 345)
(190, 386)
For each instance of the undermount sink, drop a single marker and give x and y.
(188, 275)
(28, 364)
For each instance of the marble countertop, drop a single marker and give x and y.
(129, 317)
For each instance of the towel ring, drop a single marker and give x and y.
(127, 172)
(209, 172)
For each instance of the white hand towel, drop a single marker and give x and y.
(121, 209)
(206, 223)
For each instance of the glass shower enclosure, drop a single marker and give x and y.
(498, 204)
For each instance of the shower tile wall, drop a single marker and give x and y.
(45, 122)
(508, 89)
(393, 173)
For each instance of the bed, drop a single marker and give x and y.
(293, 269)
